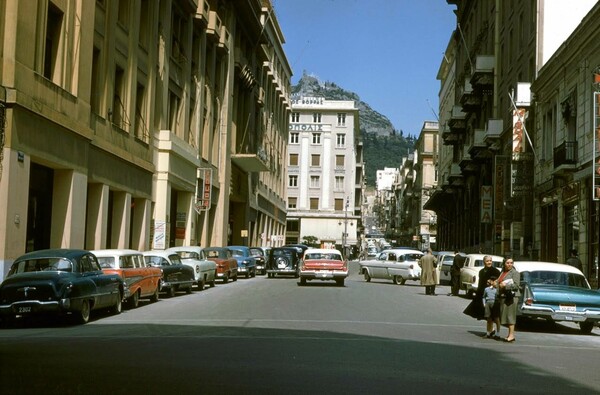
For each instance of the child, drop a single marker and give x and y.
(492, 308)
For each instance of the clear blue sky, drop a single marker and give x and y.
(386, 51)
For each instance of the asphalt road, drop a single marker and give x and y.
(270, 336)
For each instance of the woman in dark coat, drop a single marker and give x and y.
(508, 289)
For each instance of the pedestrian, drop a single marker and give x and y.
(428, 263)
(488, 271)
(491, 309)
(457, 263)
(574, 259)
(508, 291)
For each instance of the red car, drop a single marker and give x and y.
(323, 264)
(227, 267)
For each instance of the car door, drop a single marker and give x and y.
(98, 284)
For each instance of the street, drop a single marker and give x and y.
(264, 335)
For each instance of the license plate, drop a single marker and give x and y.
(326, 274)
(567, 307)
(23, 310)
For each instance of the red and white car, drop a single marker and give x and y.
(323, 264)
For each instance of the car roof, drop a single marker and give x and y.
(403, 251)
(480, 256)
(185, 248)
(115, 252)
(55, 252)
(322, 250)
(163, 253)
(530, 266)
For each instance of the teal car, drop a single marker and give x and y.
(557, 292)
(245, 260)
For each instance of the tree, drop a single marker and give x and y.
(310, 240)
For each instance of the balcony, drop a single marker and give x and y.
(455, 177)
(213, 30)
(224, 39)
(470, 101)
(478, 145)
(456, 126)
(565, 158)
(493, 132)
(252, 163)
(483, 74)
(202, 13)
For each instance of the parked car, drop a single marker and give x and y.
(205, 271)
(323, 264)
(227, 266)
(142, 279)
(245, 260)
(469, 273)
(260, 254)
(397, 264)
(283, 260)
(300, 247)
(60, 282)
(176, 275)
(445, 260)
(557, 292)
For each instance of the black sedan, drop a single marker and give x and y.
(283, 260)
(59, 282)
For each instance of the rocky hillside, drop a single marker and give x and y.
(383, 145)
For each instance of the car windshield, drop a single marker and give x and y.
(411, 257)
(320, 255)
(256, 251)
(479, 263)
(282, 253)
(555, 278)
(448, 259)
(215, 253)
(237, 252)
(39, 264)
(156, 261)
(106, 262)
(188, 255)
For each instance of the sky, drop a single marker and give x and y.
(388, 52)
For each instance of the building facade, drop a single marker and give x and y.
(141, 124)
(325, 172)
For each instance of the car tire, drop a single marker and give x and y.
(134, 300)
(234, 277)
(367, 276)
(171, 291)
(340, 282)
(118, 306)
(189, 289)
(397, 280)
(302, 281)
(253, 274)
(201, 284)
(247, 275)
(225, 278)
(586, 327)
(154, 297)
(83, 315)
(212, 282)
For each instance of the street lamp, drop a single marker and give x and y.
(345, 234)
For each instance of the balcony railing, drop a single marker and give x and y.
(565, 156)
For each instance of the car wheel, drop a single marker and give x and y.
(247, 275)
(302, 281)
(154, 297)
(586, 327)
(83, 315)
(212, 282)
(134, 300)
(340, 282)
(189, 289)
(234, 277)
(201, 284)
(118, 307)
(397, 279)
(253, 274)
(171, 291)
(225, 278)
(403, 281)
(367, 276)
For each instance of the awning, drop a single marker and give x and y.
(250, 163)
(437, 201)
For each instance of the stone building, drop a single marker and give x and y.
(325, 172)
(141, 124)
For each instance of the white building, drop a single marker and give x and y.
(386, 178)
(324, 171)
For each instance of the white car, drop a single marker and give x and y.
(469, 273)
(205, 271)
(397, 264)
(444, 265)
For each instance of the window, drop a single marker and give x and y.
(339, 204)
(340, 140)
(293, 159)
(314, 203)
(294, 138)
(339, 183)
(341, 119)
(293, 181)
(292, 201)
(52, 57)
(316, 138)
(315, 160)
(295, 117)
(141, 127)
(315, 181)
(339, 161)
(123, 13)
(317, 117)
(118, 107)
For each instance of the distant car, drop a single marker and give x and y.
(205, 271)
(60, 282)
(323, 264)
(300, 247)
(176, 275)
(142, 279)
(227, 266)
(283, 260)
(246, 262)
(372, 251)
(260, 254)
(557, 292)
(396, 264)
(469, 273)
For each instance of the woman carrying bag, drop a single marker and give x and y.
(508, 290)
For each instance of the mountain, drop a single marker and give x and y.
(383, 146)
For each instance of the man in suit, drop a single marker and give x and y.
(457, 263)
(428, 263)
